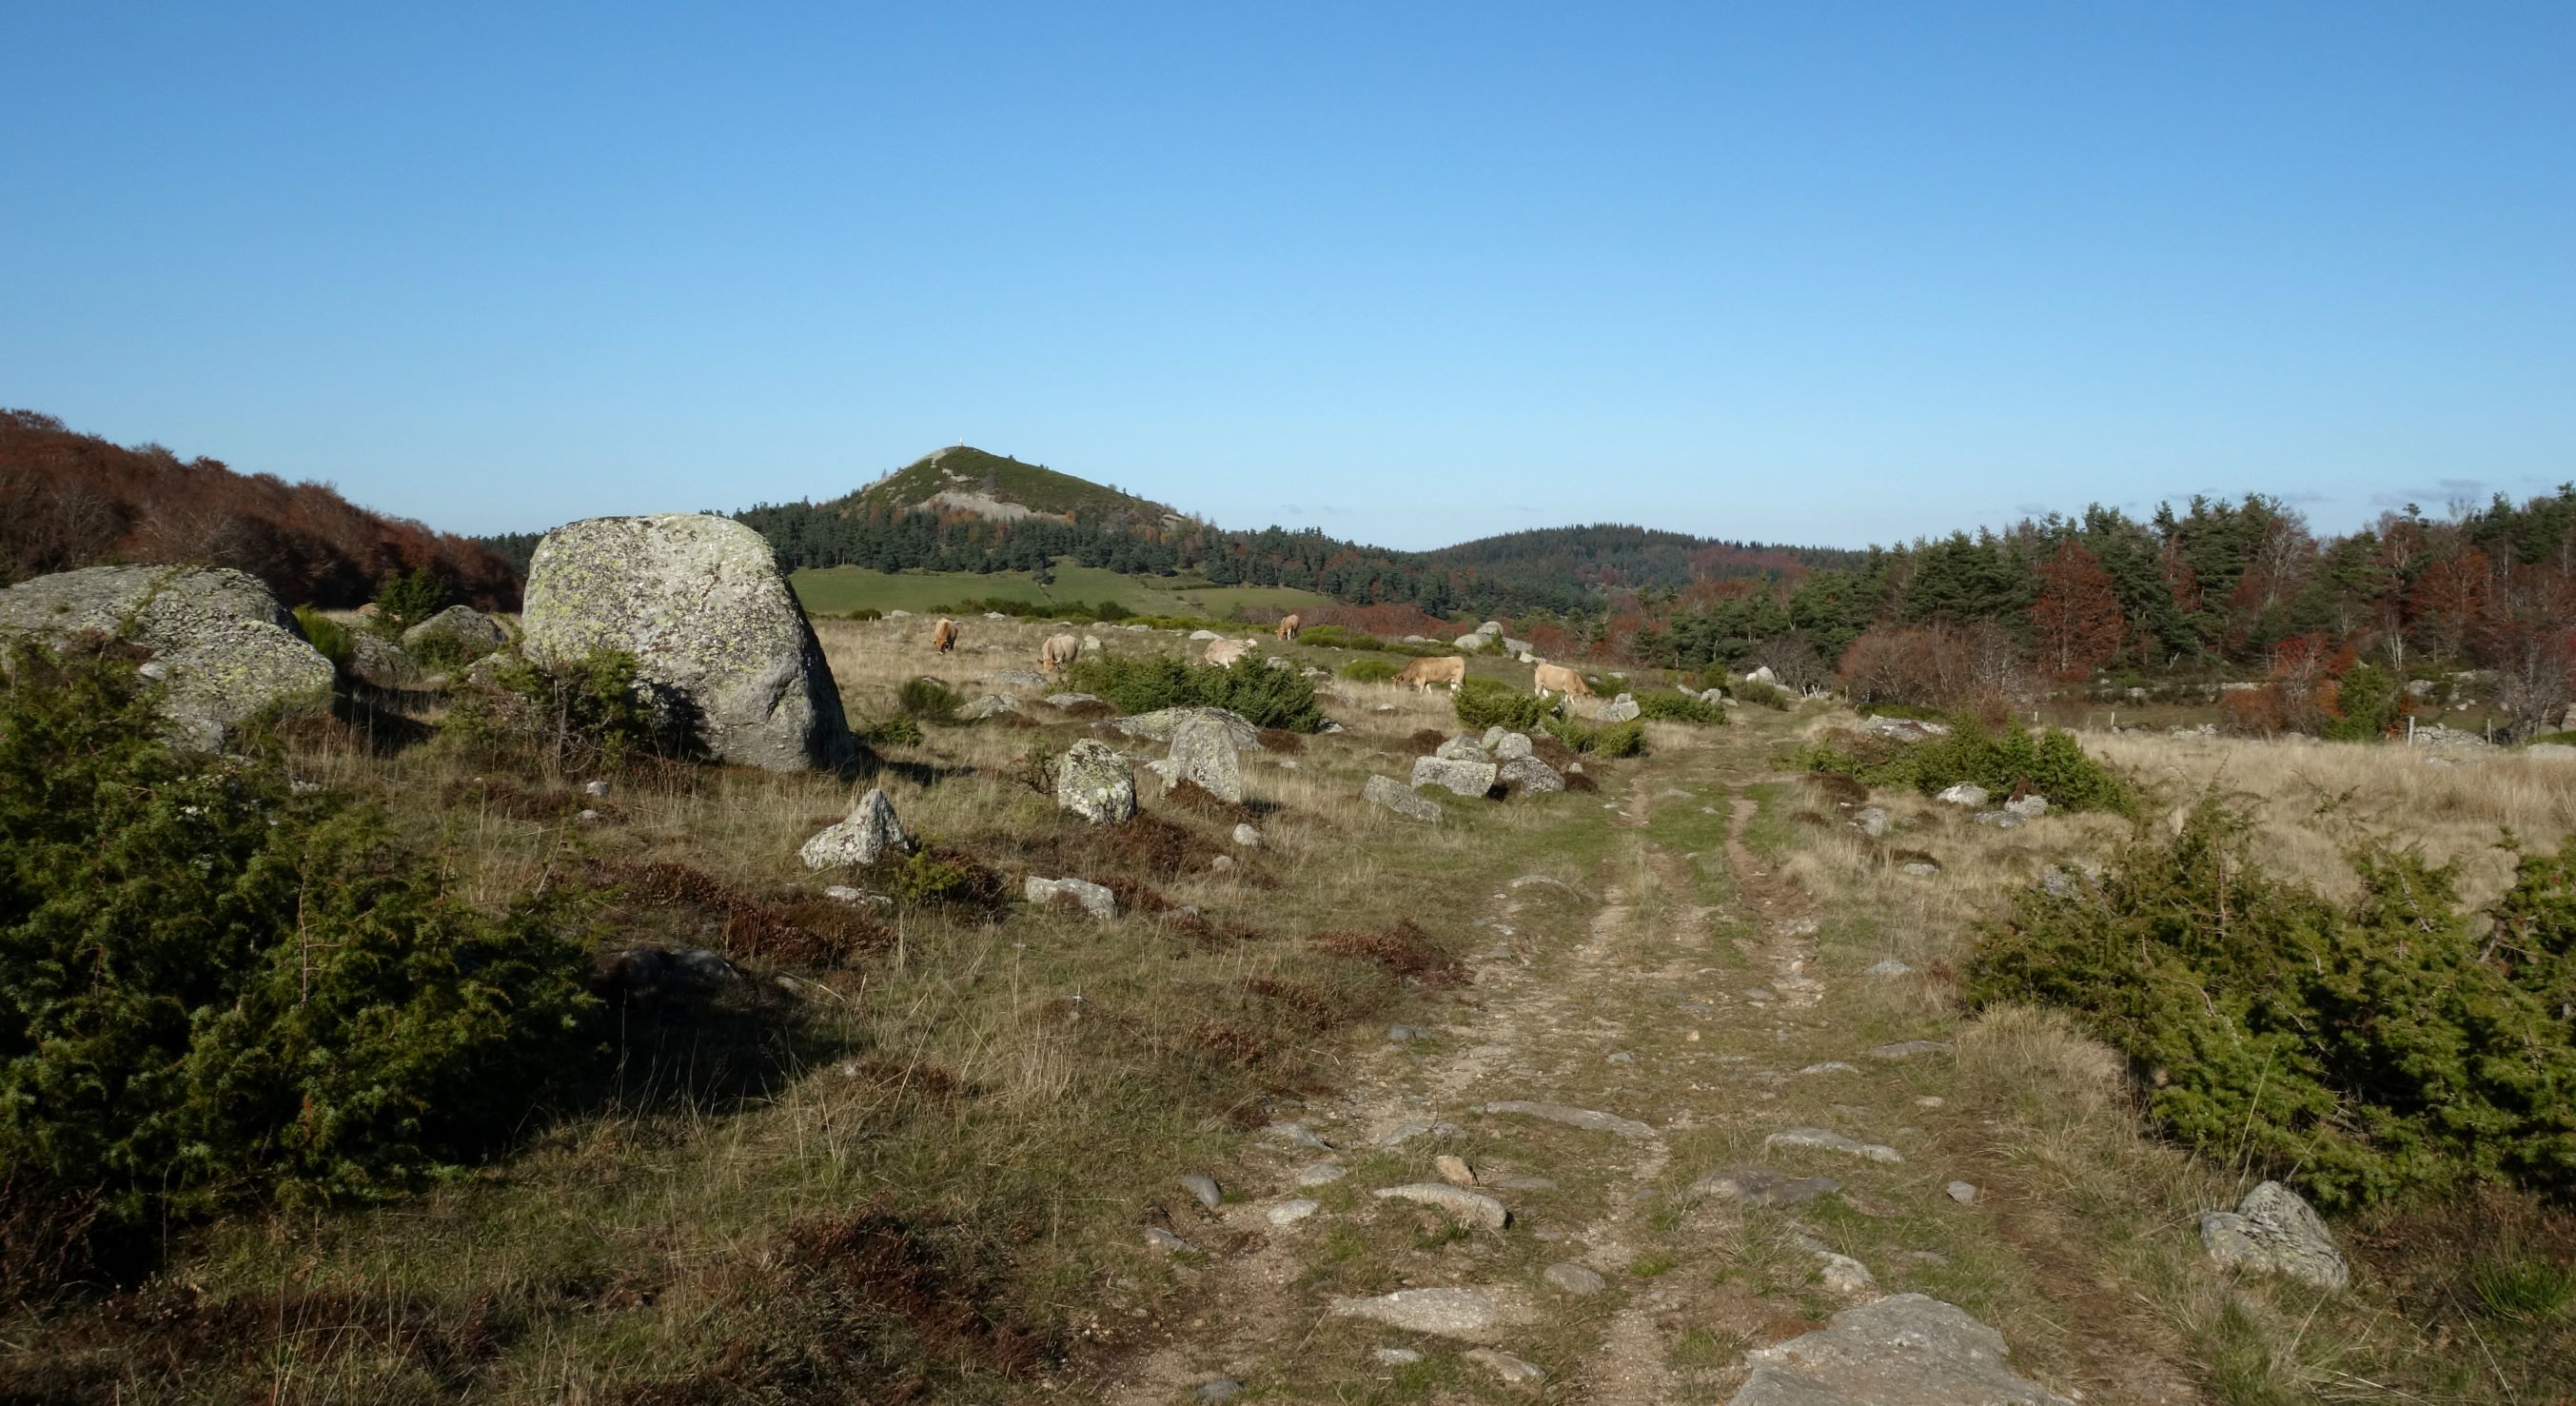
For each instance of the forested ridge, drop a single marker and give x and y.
(76, 500)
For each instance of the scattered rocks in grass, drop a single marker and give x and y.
(1571, 1278)
(1292, 1210)
(870, 833)
(1204, 1190)
(1921, 868)
(1092, 898)
(1412, 1128)
(1453, 1169)
(1448, 1313)
(1965, 793)
(1163, 724)
(1220, 1389)
(1160, 1239)
(1393, 795)
(1964, 1193)
(1296, 1135)
(1095, 782)
(1826, 1140)
(1763, 1186)
(1468, 1207)
(1247, 837)
(1584, 1118)
(1908, 1049)
(1513, 1371)
(1316, 1174)
(1888, 968)
(2274, 1231)
(1906, 1348)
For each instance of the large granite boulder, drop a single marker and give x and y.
(1394, 795)
(1466, 778)
(474, 633)
(2274, 1231)
(699, 601)
(218, 638)
(381, 663)
(1203, 754)
(1162, 723)
(1096, 783)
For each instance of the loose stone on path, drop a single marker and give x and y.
(1574, 1279)
(1825, 1140)
(1907, 1348)
(1584, 1118)
(1469, 1207)
(1451, 1313)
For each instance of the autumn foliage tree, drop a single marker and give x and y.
(2076, 623)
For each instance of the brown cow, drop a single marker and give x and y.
(943, 636)
(1423, 673)
(1058, 652)
(1289, 625)
(1563, 680)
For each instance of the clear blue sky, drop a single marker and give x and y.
(1810, 272)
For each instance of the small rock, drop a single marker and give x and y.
(1454, 1170)
(1888, 968)
(1092, 898)
(2274, 1231)
(588, 817)
(1763, 1186)
(1158, 1238)
(1395, 796)
(1412, 1128)
(1297, 1135)
(1465, 778)
(1397, 1356)
(870, 833)
(1825, 1140)
(1291, 1211)
(1625, 1057)
(843, 893)
(1966, 793)
(1573, 1117)
(1247, 837)
(1514, 1371)
(1223, 864)
(1220, 1389)
(1204, 1189)
(1406, 1034)
(594, 788)
(1907, 1348)
(1317, 1174)
(2030, 807)
(1961, 1192)
(1455, 1313)
(1928, 1101)
(988, 706)
(1921, 869)
(1871, 821)
(1621, 709)
(1908, 1049)
(1574, 1279)
(1468, 1207)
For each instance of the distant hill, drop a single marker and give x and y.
(965, 480)
(76, 500)
(965, 510)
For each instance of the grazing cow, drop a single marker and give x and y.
(1289, 625)
(1423, 673)
(943, 636)
(1563, 680)
(1058, 652)
(1223, 652)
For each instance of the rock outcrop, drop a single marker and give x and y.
(1159, 725)
(473, 632)
(218, 639)
(1096, 783)
(1907, 1348)
(699, 601)
(1396, 796)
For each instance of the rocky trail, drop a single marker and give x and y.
(1610, 1178)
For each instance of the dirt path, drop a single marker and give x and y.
(1629, 1038)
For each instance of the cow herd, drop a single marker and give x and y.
(1060, 651)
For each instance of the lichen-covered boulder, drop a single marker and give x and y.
(1203, 754)
(1394, 795)
(699, 601)
(1622, 709)
(1529, 776)
(474, 633)
(218, 638)
(2274, 1231)
(1160, 725)
(379, 662)
(1466, 778)
(1096, 783)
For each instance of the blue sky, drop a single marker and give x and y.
(1832, 273)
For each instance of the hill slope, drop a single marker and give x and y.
(78, 500)
(964, 479)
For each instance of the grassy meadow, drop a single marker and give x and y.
(840, 590)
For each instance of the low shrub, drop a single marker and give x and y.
(1110, 610)
(585, 715)
(1338, 637)
(1674, 706)
(2051, 763)
(1627, 739)
(2369, 704)
(215, 990)
(901, 730)
(927, 700)
(2371, 1050)
(328, 637)
(1267, 697)
(1484, 703)
(1761, 695)
(405, 600)
(866, 613)
(1371, 670)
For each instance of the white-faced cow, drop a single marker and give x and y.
(1057, 652)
